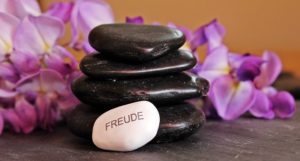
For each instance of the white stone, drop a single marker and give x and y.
(127, 127)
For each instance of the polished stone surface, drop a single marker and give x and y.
(135, 43)
(99, 66)
(158, 90)
(176, 121)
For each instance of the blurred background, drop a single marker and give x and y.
(252, 26)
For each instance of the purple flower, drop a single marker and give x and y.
(249, 68)
(135, 20)
(30, 95)
(211, 33)
(49, 91)
(40, 44)
(27, 114)
(241, 83)
(20, 8)
(230, 96)
(269, 102)
(8, 72)
(8, 24)
(1, 122)
(61, 10)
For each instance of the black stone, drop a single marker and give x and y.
(99, 66)
(159, 90)
(176, 121)
(288, 82)
(135, 43)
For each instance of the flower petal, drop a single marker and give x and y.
(13, 119)
(8, 25)
(1, 123)
(27, 114)
(262, 107)
(27, 38)
(47, 112)
(210, 70)
(8, 72)
(211, 33)
(74, 26)
(269, 70)
(284, 104)
(135, 20)
(88, 49)
(231, 99)
(249, 68)
(7, 94)
(26, 7)
(92, 13)
(46, 80)
(20, 8)
(214, 33)
(69, 63)
(61, 10)
(49, 28)
(58, 64)
(25, 63)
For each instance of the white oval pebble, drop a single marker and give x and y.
(127, 127)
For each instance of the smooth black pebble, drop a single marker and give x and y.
(177, 121)
(99, 66)
(288, 82)
(135, 43)
(158, 90)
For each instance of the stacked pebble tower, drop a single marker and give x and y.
(138, 63)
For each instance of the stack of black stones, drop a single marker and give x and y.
(135, 63)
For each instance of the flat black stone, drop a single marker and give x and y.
(159, 90)
(288, 82)
(176, 121)
(99, 66)
(135, 43)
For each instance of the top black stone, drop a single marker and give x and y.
(135, 43)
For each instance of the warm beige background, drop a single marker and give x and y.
(252, 25)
